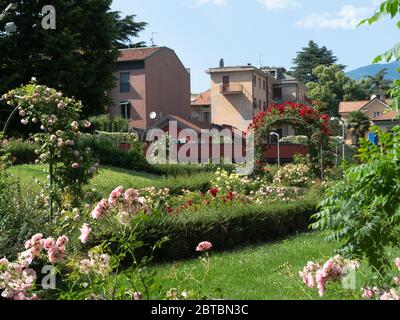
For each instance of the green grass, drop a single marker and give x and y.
(249, 273)
(111, 177)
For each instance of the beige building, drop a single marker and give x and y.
(287, 88)
(375, 109)
(238, 94)
(150, 80)
(201, 107)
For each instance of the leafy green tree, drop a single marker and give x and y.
(358, 124)
(389, 8)
(331, 86)
(376, 85)
(78, 57)
(311, 57)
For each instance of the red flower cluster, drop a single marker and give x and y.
(291, 109)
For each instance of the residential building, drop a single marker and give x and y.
(238, 94)
(376, 109)
(201, 107)
(150, 80)
(287, 88)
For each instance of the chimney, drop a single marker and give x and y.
(221, 63)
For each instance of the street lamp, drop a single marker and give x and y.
(341, 122)
(279, 152)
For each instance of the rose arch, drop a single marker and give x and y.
(307, 121)
(71, 165)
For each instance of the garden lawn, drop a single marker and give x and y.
(110, 177)
(248, 274)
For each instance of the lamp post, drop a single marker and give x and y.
(342, 124)
(279, 151)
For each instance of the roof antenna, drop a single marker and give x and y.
(260, 61)
(152, 38)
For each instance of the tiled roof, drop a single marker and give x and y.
(136, 54)
(202, 99)
(388, 116)
(350, 106)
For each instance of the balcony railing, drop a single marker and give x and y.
(232, 89)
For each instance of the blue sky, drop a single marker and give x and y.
(203, 31)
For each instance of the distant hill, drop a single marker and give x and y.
(373, 69)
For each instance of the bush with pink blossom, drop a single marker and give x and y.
(70, 167)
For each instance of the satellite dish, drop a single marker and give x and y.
(153, 115)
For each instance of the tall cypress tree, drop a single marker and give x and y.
(309, 58)
(78, 57)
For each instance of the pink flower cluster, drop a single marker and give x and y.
(204, 246)
(85, 231)
(376, 293)
(55, 249)
(127, 202)
(16, 281)
(315, 275)
(98, 263)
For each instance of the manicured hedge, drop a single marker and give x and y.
(21, 151)
(227, 228)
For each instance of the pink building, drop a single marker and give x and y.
(150, 80)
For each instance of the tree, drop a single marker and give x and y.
(389, 8)
(78, 57)
(331, 86)
(309, 58)
(358, 124)
(376, 85)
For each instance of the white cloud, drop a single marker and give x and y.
(279, 4)
(202, 2)
(347, 18)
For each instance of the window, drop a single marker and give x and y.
(277, 93)
(124, 83)
(125, 110)
(255, 103)
(255, 81)
(259, 104)
(264, 85)
(264, 106)
(207, 117)
(377, 114)
(259, 83)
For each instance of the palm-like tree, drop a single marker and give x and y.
(358, 124)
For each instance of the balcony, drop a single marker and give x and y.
(230, 89)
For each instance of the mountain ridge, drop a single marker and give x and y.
(373, 69)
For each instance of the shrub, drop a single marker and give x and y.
(363, 210)
(226, 228)
(107, 124)
(296, 175)
(21, 215)
(21, 151)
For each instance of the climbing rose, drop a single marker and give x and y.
(204, 246)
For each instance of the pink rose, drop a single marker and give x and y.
(85, 231)
(204, 246)
(62, 242)
(100, 209)
(137, 296)
(115, 195)
(368, 293)
(76, 165)
(398, 263)
(4, 262)
(49, 243)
